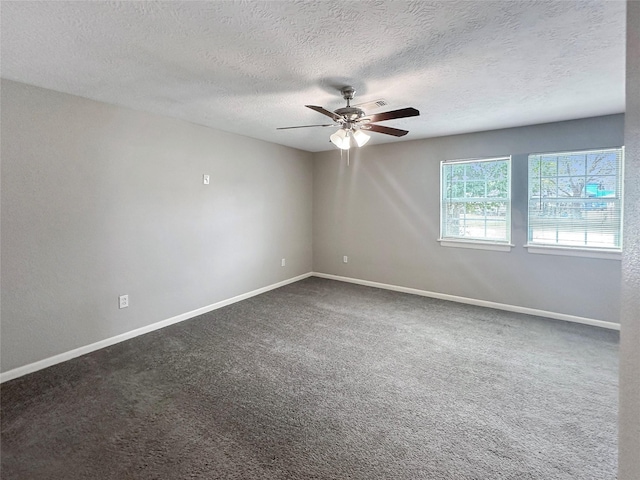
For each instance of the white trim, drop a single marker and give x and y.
(573, 252)
(477, 245)
(63, 357)
(586, 251)
(473, 301)
(508, 201)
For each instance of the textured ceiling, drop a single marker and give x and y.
(250, 66)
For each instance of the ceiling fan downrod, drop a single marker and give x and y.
(348, 93)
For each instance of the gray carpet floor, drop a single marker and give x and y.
(326, 380)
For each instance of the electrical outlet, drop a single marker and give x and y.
(345, 259)
(205, 179)
(123, 301)
(283, 262)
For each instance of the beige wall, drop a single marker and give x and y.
(629, 442)
(99, 201)
(383, 213)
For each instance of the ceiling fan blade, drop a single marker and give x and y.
(324, 111)
(396, 132)
(306, 126)
(402, 113)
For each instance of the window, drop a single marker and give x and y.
(476, 201)
(575, 199)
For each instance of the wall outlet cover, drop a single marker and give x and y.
(123, 301)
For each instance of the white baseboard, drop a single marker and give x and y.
(63, 357)
(473, 301)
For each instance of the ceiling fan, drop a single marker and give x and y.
(354, 122)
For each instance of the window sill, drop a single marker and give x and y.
(475, 244)
(574, 252)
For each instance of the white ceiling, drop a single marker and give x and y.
(250, 66)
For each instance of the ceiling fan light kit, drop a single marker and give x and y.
(353, 120)
(341, 139)
(360, 137)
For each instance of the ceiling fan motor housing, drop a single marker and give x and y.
(350, 114)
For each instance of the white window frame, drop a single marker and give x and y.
(476, 243)
(613, 253)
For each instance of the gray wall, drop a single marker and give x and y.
(383, 213)
(629, 418)
(99, 201)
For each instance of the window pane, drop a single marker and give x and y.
(549, 167)
(570, 187)
(572, 165)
